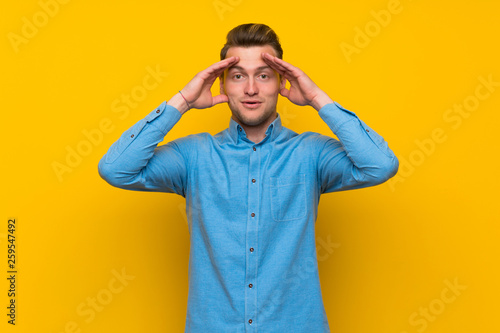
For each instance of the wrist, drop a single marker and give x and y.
(320, 101)
(178, 102)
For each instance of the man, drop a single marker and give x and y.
(252, 191)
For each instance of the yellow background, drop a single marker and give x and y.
(396, 247)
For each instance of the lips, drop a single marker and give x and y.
(251, 104)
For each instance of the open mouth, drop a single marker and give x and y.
(251, 105)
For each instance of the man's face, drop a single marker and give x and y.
(251, 86)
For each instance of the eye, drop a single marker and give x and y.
(237, 76)
(264, 76)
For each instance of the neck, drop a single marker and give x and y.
(257, 133)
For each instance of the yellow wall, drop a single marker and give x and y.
(391, 256)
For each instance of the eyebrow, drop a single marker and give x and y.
(236, 67)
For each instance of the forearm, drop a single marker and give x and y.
(127, 157)
(367, 150)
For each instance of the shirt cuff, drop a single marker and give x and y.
(164, 117)
(335, 115)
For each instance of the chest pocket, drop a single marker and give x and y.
(288, 197)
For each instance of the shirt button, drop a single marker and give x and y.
(250, 285)
(250, 321)
(251, 249)
(240, 129)
(158, 111)
(253, 214)
(132, 136)
(367, 130)
(254, 149)
(253, 180)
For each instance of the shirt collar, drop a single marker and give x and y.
(237, 132)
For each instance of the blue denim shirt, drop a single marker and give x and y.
(251, 210)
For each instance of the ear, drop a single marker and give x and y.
(282, 83)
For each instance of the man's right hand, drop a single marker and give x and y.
(197, 91)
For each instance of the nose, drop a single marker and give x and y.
(251, 88)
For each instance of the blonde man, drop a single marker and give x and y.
(252, 191)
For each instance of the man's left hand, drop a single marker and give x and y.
(303, 91)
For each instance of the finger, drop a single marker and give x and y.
(272, 60)
(284, 66)
(281, 62)
(276, 68)
(288, 73)
(223, 64)
(281, 70)
(218, 68)
(274, 65)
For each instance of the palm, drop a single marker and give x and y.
(303, 91)
(197, 91)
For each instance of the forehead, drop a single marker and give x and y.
(250, 57)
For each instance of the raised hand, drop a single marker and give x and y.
(303, 91)
(197, 92)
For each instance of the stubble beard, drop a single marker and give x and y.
(247, 121)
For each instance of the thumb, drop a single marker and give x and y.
(285, 92)
(220, 99)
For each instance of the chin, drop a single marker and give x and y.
(250, 117)
(251, 121)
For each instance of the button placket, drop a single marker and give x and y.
(251, 237)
